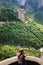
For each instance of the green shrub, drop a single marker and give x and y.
(7, 51)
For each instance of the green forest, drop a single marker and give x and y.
(19, 33)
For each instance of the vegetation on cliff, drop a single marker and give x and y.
(24, 34)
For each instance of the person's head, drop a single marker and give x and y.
(21, 50)
(21, 58)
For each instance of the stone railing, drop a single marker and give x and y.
(28, 58)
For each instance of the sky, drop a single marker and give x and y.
(21, 2)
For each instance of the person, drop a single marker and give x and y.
(21, 57)
(21, 60)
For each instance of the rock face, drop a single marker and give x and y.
(31, 5)
(28, 5)
(8, 2)
(40, 3)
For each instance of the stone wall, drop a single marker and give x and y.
(14, 59)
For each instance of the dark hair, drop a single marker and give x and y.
(22, 56)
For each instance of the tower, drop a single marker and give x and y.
(22, 14)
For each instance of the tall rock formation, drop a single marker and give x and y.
(8, 2)
(31, 5)
(40, 3)
(28, 5)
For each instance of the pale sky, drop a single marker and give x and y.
(21, 2)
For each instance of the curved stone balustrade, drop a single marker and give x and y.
(28, 58)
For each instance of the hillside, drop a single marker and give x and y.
(14, 34)
(11, 7)
(36, 16)
(8, 13)
(24, 34)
